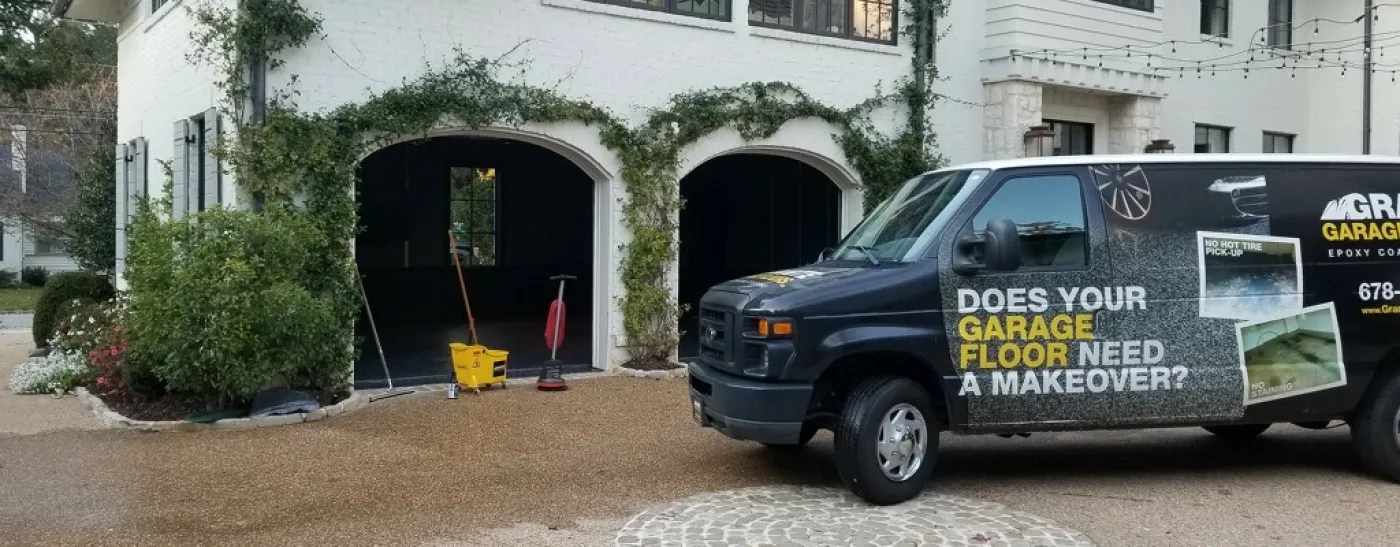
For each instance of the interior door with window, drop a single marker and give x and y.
(1013, 341)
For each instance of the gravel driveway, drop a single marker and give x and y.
(527, 467)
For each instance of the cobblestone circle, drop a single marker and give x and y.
(806, 516)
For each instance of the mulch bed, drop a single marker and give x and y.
(176, 408)
(651, 364)
(162, 409)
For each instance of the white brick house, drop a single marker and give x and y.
(996, 75)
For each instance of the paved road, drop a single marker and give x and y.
(16, 321)
(527, 467)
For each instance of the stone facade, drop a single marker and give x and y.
(1133, 123)
(1011, 108)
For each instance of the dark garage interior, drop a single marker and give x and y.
(519, 213)
(746, 214)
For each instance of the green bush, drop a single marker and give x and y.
(219, 309)
(58, 300)
(7, 279)
(34, 276)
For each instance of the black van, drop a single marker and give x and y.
(1227, 291)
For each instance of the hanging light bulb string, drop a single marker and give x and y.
(1258, 35)
(1314, 55)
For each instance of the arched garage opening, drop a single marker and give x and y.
(748, 213)
(519, 214)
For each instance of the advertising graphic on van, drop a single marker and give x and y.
(1292, 355)
(1191, 308)
(1249, 276)
(1031, 349)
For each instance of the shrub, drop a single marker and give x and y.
(218, 308)
(57, 369)
(57, 300)
(34, 276)
(89, 326)
(7, 279)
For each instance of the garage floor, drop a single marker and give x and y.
(420, 355)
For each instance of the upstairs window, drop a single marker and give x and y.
(709, 9)
(1141, 5)
(1215, 18)
(1278, 143)
(868, 20)
(1280, 31)
(157, 4)
(1212, 139)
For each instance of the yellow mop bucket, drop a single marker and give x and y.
(474, 365)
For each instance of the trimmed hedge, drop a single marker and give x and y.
(34, 276)
(58, 296)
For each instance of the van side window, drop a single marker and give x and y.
(1049, 215)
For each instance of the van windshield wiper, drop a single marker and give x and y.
(866, 251)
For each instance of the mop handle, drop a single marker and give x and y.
(471, 321)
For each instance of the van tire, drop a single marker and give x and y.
(1374, 432)
(856, 445)
(1237, 433)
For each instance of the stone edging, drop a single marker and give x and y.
(112, 419)
(673, 374)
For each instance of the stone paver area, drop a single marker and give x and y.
(812, 516)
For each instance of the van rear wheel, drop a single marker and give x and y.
(1375, 429)
(887, 440)
(1237, 433)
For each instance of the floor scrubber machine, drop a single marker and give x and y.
(552, 376)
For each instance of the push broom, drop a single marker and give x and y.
(377, 345)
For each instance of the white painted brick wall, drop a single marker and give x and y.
(156, 84)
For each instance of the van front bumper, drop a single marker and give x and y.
(748, 410)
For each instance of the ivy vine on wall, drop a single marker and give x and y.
(303, 163)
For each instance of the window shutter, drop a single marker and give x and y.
(212, 182)
(180, 168)
(137, 178)
(123, 184)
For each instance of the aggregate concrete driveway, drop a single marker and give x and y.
(522, 467)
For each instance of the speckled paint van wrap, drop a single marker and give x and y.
(1205, 294)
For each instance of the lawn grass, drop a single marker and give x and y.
(19, 300)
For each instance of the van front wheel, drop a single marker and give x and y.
(1375, 430)
(887, 440)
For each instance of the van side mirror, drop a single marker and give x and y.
(1002, 247)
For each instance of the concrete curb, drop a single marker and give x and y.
(112, 419)
(673, 374)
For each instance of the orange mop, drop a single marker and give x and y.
(473, 365)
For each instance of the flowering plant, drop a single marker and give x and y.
(107, 361)
(90, 327)
(55, 372)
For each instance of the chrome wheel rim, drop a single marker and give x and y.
(1124, 190)
(902, 442)
(1396, 427)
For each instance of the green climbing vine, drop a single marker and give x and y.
(300, 165)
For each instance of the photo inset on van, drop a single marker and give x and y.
(1249, 277)
(1292, 355)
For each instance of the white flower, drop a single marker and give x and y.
(36, 375)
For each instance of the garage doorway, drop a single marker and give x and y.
(519, 214)
(746, 214)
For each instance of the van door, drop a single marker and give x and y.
(1014, 335)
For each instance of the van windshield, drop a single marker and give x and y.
(900, 223)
